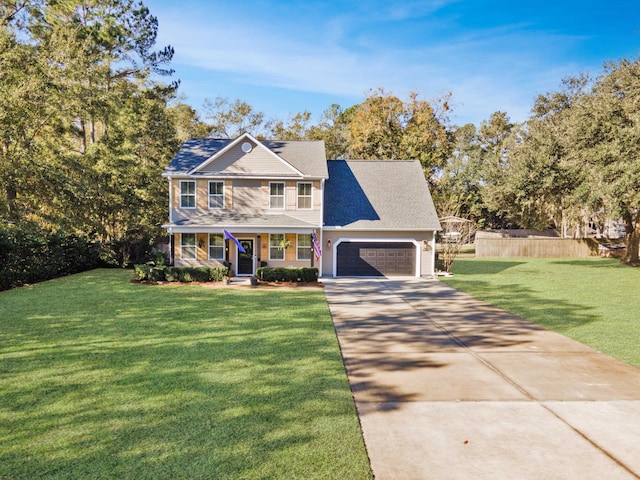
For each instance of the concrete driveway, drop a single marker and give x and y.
(448, 387)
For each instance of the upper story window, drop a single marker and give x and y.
(188, 246)
(304, 196)
(276, 195)
(216, 246)
(216, 194)
(187, 194)
(304, 246)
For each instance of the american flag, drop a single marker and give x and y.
(317, 251)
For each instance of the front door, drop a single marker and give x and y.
(245, 260)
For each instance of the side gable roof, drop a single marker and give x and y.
(378, 195)
(306, 157)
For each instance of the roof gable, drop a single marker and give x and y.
(378, 194)
(225, 157)
(246, 156)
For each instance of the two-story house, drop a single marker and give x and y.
(370, 217)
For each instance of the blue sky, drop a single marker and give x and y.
(285, 57)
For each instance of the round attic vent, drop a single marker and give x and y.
(247, 147)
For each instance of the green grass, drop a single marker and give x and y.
(595, 301)
(102, 378)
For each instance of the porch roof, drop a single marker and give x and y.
(244, 222)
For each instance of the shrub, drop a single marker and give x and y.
(184, 275)
(172, 274)
(193, 274)
(309, 274)
(142, 272)
(158, 257)
(29, 254)
(217, 274)
(148, 272)
(158, 274)
(280, 274)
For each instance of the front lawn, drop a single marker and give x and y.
(102, 378)
(594, 300)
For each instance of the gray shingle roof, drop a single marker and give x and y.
(378, 194)
(224, 220)
(307, 156)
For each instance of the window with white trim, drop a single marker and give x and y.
(188, 246)
(303, 246)
(216, 246)
(216, 194)
(276, 195)
(187, 194)
(304, 196)
(275, 250)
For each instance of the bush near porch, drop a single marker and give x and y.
(277, 274)
(150, 273)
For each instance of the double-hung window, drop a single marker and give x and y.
(187, 194)
(188, 246)
(276, 195)
(304, 246)
(276, 252)
(216, 194)
(216, 246)
(304, 196)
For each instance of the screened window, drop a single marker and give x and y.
(275, 252)
(304, 196)
(187, 194)
(276, 195)
(188, 246)
(304, 246)
(216, 194)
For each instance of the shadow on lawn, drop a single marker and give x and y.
(486, 267)
(594, 262)
(560, 316)
(196, 387)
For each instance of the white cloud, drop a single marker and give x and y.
(486, 70)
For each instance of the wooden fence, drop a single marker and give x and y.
(535, 247)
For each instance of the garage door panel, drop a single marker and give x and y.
(376, 258)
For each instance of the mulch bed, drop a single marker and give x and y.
(261, 284)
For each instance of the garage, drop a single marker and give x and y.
(368, 259)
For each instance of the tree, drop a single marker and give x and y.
(457, 186)
(375, 130)
(187, 122)
(387, 128)
(497, 137)
(296, 128)
(30, 111)
(578, 157)
(605, 134)
(230, 120)
(83, 125)
(332, 128)
(456, 233)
